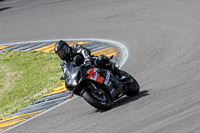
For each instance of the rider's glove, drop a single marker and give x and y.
(87, 62)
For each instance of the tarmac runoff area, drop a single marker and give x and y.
(59, 95)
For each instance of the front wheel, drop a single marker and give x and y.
(98, 99)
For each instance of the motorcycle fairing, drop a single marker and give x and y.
(94, 75)
(107, 78)
(71, 73)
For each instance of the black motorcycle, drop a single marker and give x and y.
(98, 86)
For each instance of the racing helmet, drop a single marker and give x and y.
(62, 49)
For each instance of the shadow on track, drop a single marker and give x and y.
(4, 8)
(127, 99)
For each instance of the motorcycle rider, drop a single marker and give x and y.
(67, 54)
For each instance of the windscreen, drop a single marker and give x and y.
(69, 69)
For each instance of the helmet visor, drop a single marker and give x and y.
(61, 54)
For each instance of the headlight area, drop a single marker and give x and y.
(73, 81)
(74, 84)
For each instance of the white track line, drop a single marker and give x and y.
(124, 52)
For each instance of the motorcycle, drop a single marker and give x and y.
(99, 87)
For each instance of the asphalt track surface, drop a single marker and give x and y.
(163, 38)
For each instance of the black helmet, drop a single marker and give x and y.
(62, 49)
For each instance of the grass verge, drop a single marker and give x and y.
(25, 77)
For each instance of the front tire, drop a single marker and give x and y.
(97, 103)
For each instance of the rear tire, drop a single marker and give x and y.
(88, 97)
(133, 88)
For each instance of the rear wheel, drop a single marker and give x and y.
(98, 99)
(133, 87)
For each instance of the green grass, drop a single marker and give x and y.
(25, 77)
